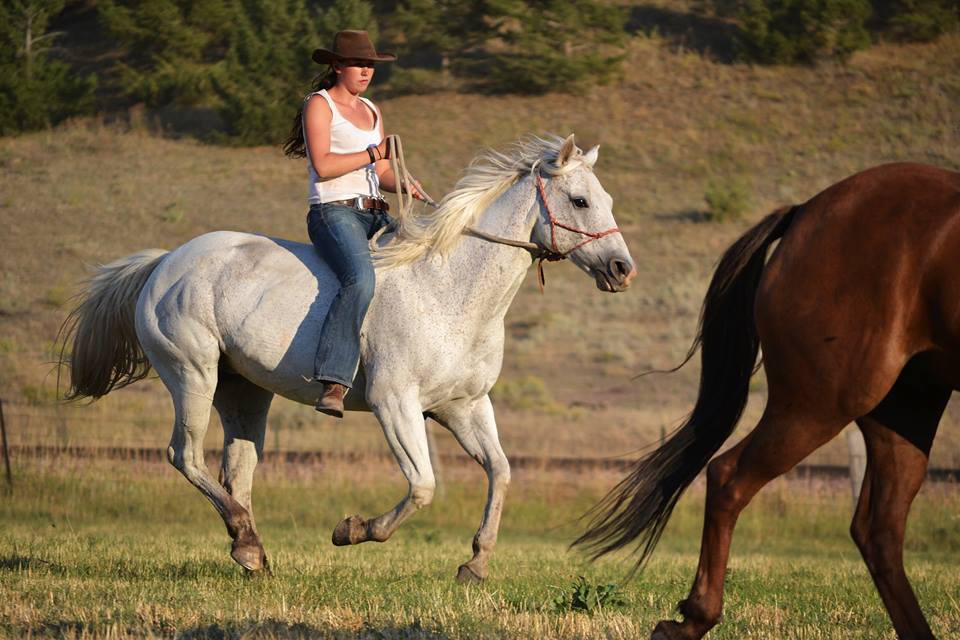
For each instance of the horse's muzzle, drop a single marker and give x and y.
(617, 276)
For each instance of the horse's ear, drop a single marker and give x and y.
(567, 151)
(590, 157)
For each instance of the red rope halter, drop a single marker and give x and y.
(555, 253)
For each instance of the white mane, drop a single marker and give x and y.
(484, 180)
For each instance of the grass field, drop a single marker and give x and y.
(116, 551)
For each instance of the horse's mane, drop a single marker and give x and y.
(484, 180)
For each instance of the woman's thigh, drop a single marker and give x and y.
(339, 234)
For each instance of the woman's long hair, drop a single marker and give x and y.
(295, 145)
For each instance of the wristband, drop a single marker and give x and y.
(370, 153)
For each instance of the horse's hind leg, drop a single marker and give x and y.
(243, 408)
(475, 428)
(776, 445)
(406, 432)
(898, 435)
(192, 388)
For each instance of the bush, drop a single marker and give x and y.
(917, 20)
(726, 201)
(790, 31)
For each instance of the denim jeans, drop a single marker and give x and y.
(340, 235)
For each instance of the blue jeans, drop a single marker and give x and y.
(340, 235)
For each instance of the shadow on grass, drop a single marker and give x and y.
(280, 630)
(713, 37)
(246, 630)
(687, 215)
(16, 562)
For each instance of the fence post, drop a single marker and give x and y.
(6, 452)
(857, 449)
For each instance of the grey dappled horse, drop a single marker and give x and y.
(230, 319)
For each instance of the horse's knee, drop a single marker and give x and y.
(501, 472)
(723, 490)
(421, 493)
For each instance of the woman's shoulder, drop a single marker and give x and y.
(370, 104)
(317, 101)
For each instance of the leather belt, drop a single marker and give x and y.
(377, 204)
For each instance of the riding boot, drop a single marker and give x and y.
(331, 400)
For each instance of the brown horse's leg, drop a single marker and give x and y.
(898, 435)
(774, 447)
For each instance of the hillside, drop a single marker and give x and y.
(678, 121)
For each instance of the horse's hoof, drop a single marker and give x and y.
(466, 575)
(665, 630)
(264, 572)
(250, 557)
(351, 530)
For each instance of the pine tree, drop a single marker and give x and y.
(267, 68)
(345, 14)
(556, 45)
(446, 29)
(36, 90)
(172, 47)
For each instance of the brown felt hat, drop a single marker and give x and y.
(351, 45)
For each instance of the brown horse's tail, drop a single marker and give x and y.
(640, 505)
(104, 352)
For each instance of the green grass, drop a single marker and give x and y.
(110, 551)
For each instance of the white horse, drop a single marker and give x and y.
(230, 319)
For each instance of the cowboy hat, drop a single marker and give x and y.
(351, 45)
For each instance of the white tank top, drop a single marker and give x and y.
(345, 137)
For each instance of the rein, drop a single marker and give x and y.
(539, 253)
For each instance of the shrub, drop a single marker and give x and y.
(790, 31)
(917, 20)
(726, 200)
(588, 598)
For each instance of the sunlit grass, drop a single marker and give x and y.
(112, 551)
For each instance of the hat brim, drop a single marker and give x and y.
(324, 56)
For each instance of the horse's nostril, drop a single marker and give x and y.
(620, 269)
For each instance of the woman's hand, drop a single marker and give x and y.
(383, 149)
(416, 190)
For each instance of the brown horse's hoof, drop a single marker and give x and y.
(466, 575)
(352, 530)
(250, 556)
(667, 630)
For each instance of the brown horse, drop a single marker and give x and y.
(858, 314)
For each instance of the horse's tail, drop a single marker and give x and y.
(640, 505)
(105, 353)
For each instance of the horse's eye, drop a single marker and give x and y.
(579, 203)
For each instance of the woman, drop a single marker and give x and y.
(341, 135)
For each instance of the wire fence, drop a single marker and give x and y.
(61, 445)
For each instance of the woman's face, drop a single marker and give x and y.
(354, 75)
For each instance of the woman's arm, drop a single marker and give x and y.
(316, 129)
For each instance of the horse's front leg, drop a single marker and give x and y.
(405, 430)
(475, 428)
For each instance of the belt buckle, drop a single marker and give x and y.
(358, 203)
